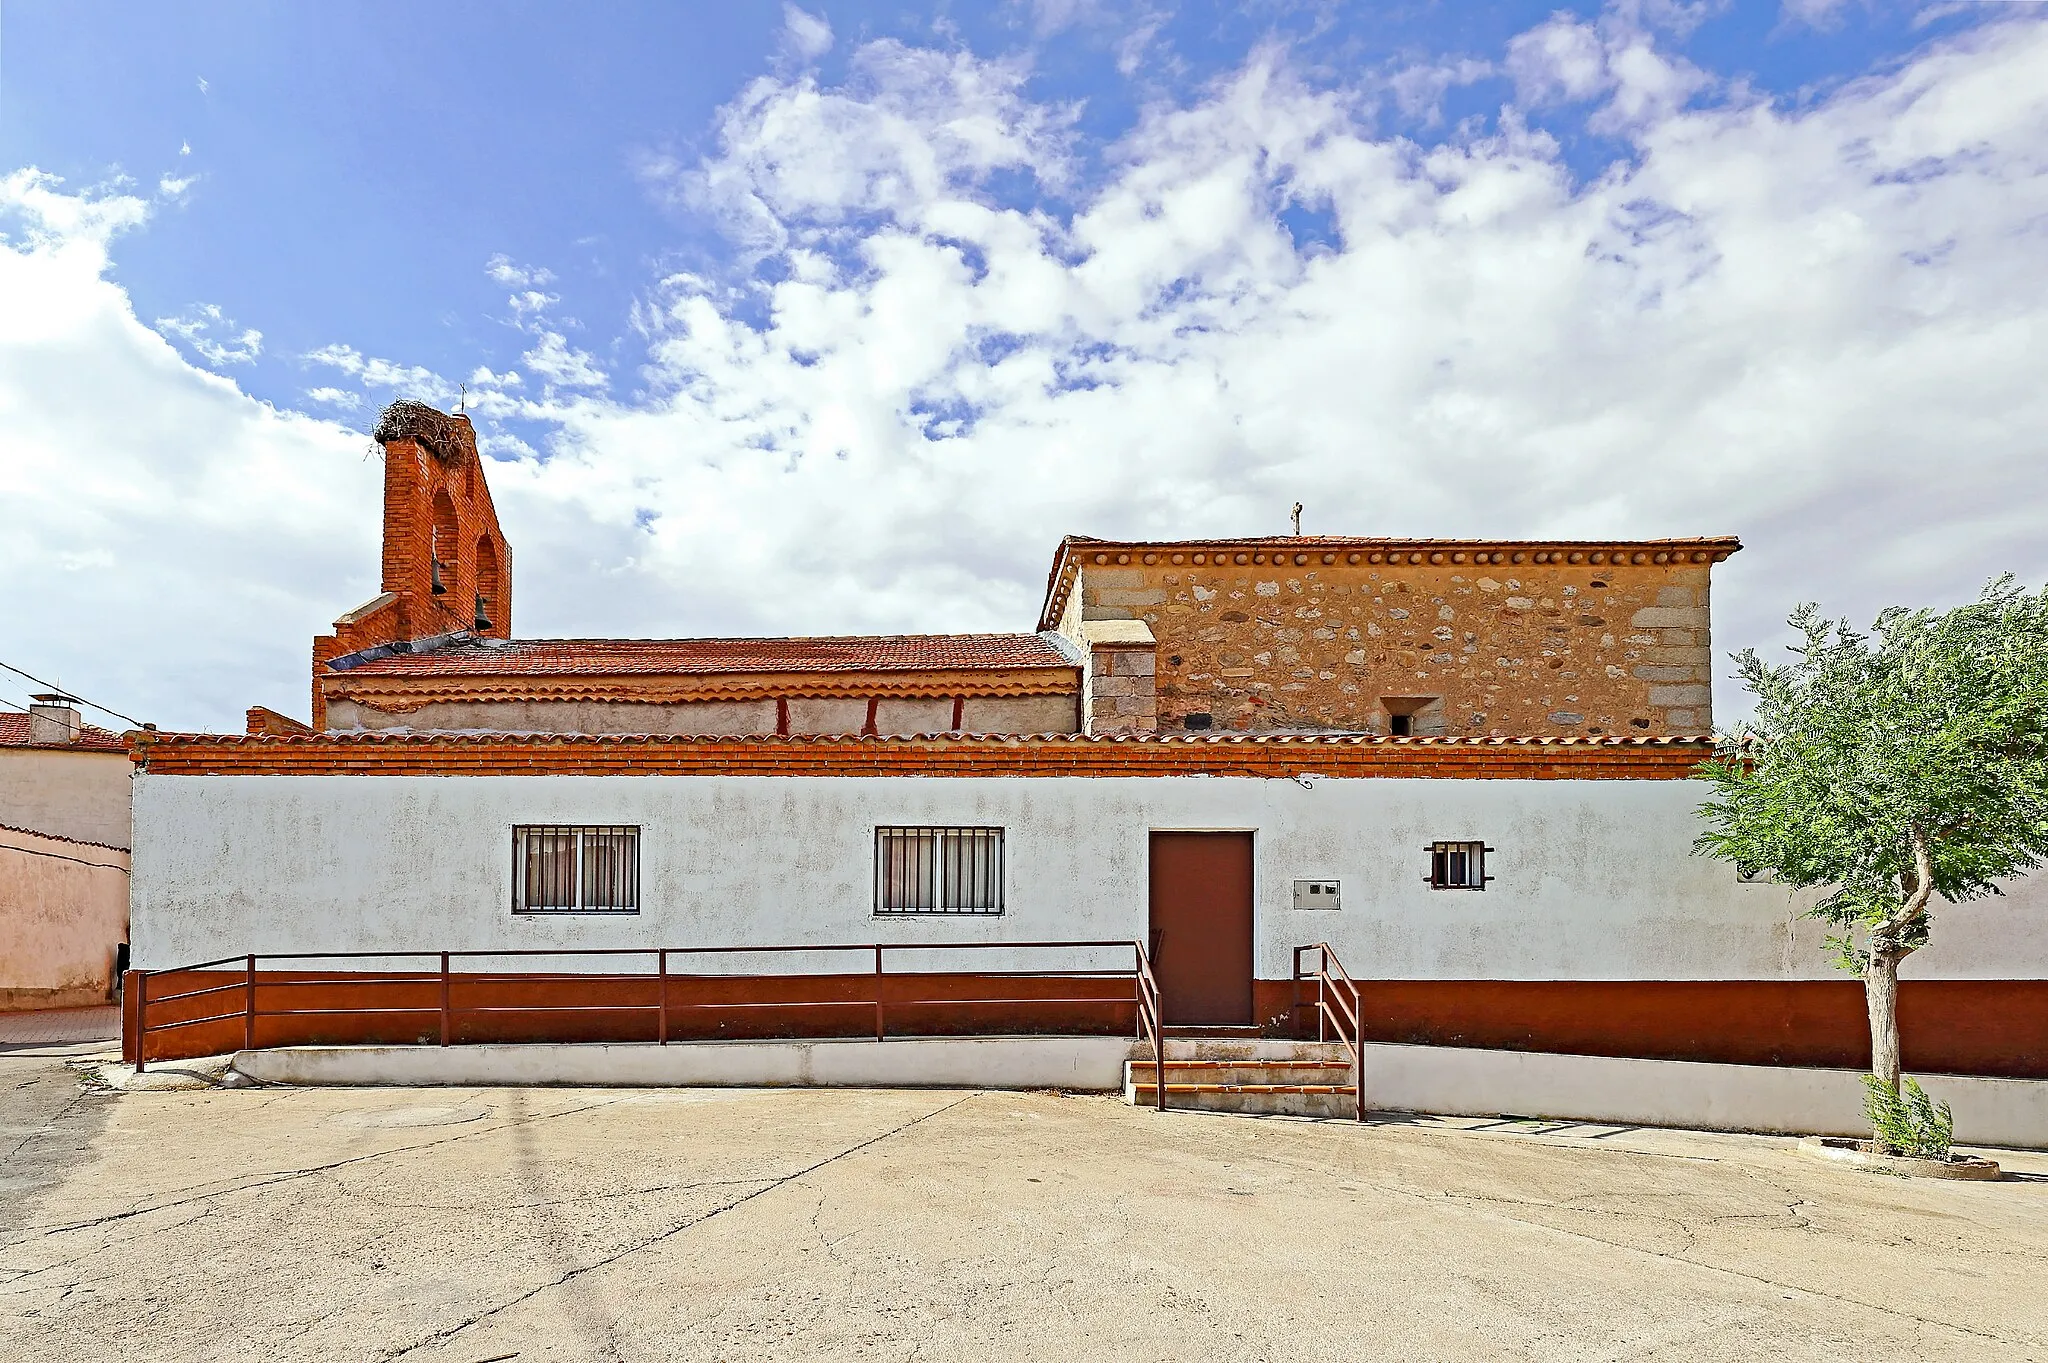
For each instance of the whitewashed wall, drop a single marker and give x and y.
(1596, 880)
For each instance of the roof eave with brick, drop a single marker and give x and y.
(1124, 754)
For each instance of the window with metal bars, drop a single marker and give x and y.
(559, 868)
(939, 870)
(1457, 865)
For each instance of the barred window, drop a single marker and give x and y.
(569, 869)
(939, 870)
(1457, 865)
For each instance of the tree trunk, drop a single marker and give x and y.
(1881, 997)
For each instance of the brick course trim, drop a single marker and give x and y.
(1267, 755)
(402, 695)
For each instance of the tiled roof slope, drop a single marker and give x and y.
(14, 734)
(616, 657)
(1040, 755)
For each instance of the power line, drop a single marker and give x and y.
(80, 699)
(58, 856)
(77, 729)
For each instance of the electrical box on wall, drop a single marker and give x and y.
(1316, 894)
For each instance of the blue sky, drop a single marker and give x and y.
(353, 167)
(833, 319)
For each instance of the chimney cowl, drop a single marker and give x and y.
(53, 718)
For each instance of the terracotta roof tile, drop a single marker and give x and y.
(14, 734)
(1121, 755)
(612, 657)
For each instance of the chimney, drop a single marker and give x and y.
(53, 718)
(1122, 694)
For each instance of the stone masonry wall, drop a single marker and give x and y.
(1122, 696)
(1557, 648)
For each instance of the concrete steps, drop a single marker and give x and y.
(1293, 1078)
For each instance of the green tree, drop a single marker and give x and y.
(1891, 768)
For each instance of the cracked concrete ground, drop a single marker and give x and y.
(467, 1225)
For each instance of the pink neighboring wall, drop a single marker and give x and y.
(63, 911)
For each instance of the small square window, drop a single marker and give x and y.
(1457, 866)
(560, 868)
(939, 870)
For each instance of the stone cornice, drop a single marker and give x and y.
(1289, 553)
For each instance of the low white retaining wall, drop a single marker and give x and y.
(1473, 1083)
(1080, 1062)
(1453, 1081)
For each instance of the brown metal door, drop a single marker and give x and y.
(1201, 939)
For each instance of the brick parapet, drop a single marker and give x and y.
(261, 719)
(1119, 755)
(405, 694)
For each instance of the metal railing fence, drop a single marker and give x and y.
(664, 998)
(1339, 1008)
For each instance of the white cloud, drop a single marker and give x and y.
(196, 327)
(383, 376)
(1561, 59)
(51, 222)
(1819, 14)
(561, 365)
(1816, 326)
(1777, 322)
(913, 127)
(1566, 60)
(805, 36)
(204, 86)
(334, 397)
(530, 302)
(1419, 89)
(203, 535)
(501, 268)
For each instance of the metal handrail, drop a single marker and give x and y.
(1145, 987)
(1339, 1008)
(1150, 1020)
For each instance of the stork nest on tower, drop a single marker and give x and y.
(441, 435)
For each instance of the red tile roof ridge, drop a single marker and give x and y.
(14, 731)
(730, 654)
(59, 837)
(1066, 562)
(373, 737)
(1267, 541)
(759, 638)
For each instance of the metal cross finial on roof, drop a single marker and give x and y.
(1297, 520)
(462, 397)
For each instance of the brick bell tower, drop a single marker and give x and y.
(447, 569)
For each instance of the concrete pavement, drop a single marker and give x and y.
(465, 1225)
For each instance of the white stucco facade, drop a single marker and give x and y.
(1594, 879)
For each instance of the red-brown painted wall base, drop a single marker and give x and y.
(1987, 1027)
(619, 1008)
